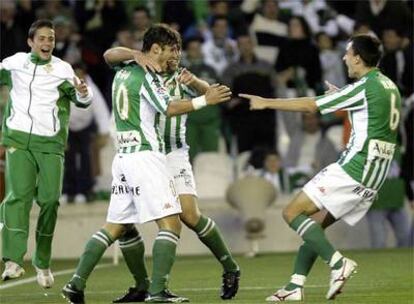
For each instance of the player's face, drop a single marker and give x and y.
(173, 64)
(350, 60)
(169, 55)
(43, 42)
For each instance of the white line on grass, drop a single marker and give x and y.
(57, 273)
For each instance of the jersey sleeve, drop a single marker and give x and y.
(156, 94)
(350, 97)
(5, 76)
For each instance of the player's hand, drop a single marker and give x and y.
(80, 86)
(217, 93)
(331, 88)
(256, 102)
(186, 77)
(146, 62)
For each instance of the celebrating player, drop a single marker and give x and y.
(35, 131)
(141, 188)
(345, 189)
(182, 84)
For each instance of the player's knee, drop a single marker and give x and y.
(190, 219)
(172, 223)
(130, 233)
(288, 214)
(115, 230)
(48, 204)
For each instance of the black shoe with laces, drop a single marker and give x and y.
(165, 296)
(73, 295)
(133, 295)
(230, 284)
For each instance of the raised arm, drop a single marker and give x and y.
(189, 79)
(120, 54)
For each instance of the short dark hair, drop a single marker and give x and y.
(368, 47)
(195, 38)
(161, 34)
(39, 24)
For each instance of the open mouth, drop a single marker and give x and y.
(45, 51)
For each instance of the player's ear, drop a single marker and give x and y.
(156, 48)
(30, 42)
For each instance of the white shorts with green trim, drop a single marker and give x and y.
(333, 189)
(142, 190)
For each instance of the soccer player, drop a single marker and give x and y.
(142, 190)
(345, 189)
(35, 131)
(183, 84)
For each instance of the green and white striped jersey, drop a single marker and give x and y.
(173, 128)
(373, 104)
(139, 99)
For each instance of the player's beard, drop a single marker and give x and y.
(172, 66)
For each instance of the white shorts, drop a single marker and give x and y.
(142, 189)
(333, 189)
(179, 166)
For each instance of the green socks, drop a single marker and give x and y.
(133, 250)
(304, 261)
(210, 235)
(163, 255)
(94, 250)
(313, 234)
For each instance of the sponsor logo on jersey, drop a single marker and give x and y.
(382, 149)
(128, 138)
(122, 189)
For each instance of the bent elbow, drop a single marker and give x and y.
(312, 108)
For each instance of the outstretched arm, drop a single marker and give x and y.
(301, 104)
(214, 95)
(120, 54)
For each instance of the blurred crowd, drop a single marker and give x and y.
(270, 48)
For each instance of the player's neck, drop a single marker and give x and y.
(364, 70)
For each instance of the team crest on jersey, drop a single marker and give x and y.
(161, 91)
(48, 68)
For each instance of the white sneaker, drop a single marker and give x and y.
(12, 270)
(340, 276)
(287, 295)
(44, 277)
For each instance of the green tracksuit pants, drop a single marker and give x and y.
(30, 176)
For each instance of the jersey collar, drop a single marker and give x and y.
(37, 60)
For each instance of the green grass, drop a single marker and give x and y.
(384, 276)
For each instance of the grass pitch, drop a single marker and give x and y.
(385, 276)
